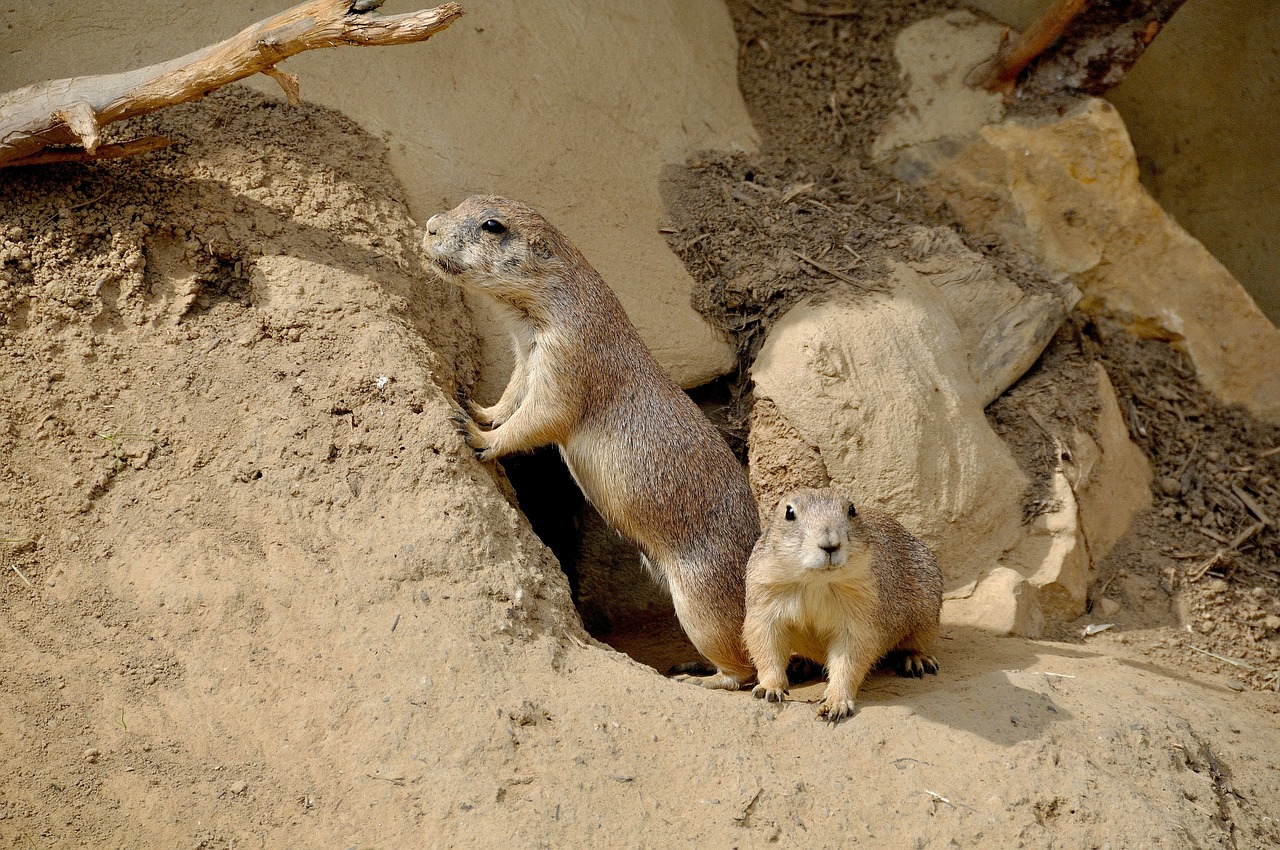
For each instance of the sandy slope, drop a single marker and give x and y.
(279, 605)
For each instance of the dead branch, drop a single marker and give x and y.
(71, 112)
(1222, 554)
(1076, 46)
(1012, 58)
(131, 148)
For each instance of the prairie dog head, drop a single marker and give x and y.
(814, 532)
(497, 246)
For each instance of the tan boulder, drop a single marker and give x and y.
(1065, 188)
(1003, 326)
(878, 394)
(1102, 479)
(1003, 602)
(878, 388)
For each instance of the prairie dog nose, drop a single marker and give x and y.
(830, 547)
(433, 224)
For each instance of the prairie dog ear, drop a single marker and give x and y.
(541, 248)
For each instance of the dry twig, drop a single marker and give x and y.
(1076, 46)
(836, 273)
(1219, 556)
(803, 7)
(1234, 662)
(1012, 58)
(72, 112)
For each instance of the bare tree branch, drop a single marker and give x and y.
(1099, 47)
(73, 111)
(1001, 72)
(1076, 46)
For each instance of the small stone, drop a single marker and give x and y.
(1235, 684)
(1170, 486)
(239, 787)
(92, 754)
(1108, 606)
(1272, 622)
(1217, 586)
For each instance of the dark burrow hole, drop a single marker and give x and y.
(617, 600)
(619, 603)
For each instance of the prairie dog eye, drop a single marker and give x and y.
(853, 512)
(790, 515)
(493, 226)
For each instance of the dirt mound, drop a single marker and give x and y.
(234, 507)
(256, 592)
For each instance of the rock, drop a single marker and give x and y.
(1054, 557)
(1098, 486)
(1107, 606)
(874, 393)
(779, 457)
(1065, 189)
(1004, 327)
(1170, 486)
(1002, 602)
(937, 105)
(1108, 473)
(92, 754)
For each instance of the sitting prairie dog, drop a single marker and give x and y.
(841, 587)
(643, 453)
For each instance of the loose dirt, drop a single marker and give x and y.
(255, 592)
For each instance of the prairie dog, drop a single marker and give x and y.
(841, 587)
(642, 452)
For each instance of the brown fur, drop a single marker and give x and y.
(639, 448)
(840, 587)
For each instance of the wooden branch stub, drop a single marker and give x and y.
(288, 82)
(72, 111)
(1001, 72)
(1100, 47)
(1075, 46)
(147, 144)
(80, 119)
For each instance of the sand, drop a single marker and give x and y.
(255, 593)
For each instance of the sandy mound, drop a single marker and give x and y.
(254, 591)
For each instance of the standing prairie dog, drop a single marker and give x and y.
(841, 587)
(639, 448)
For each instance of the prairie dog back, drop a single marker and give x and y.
(842, 587)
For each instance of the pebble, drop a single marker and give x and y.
(1235, 684)
(1170, 486)
(239, 787)
(1271, 621)
(91, 755)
